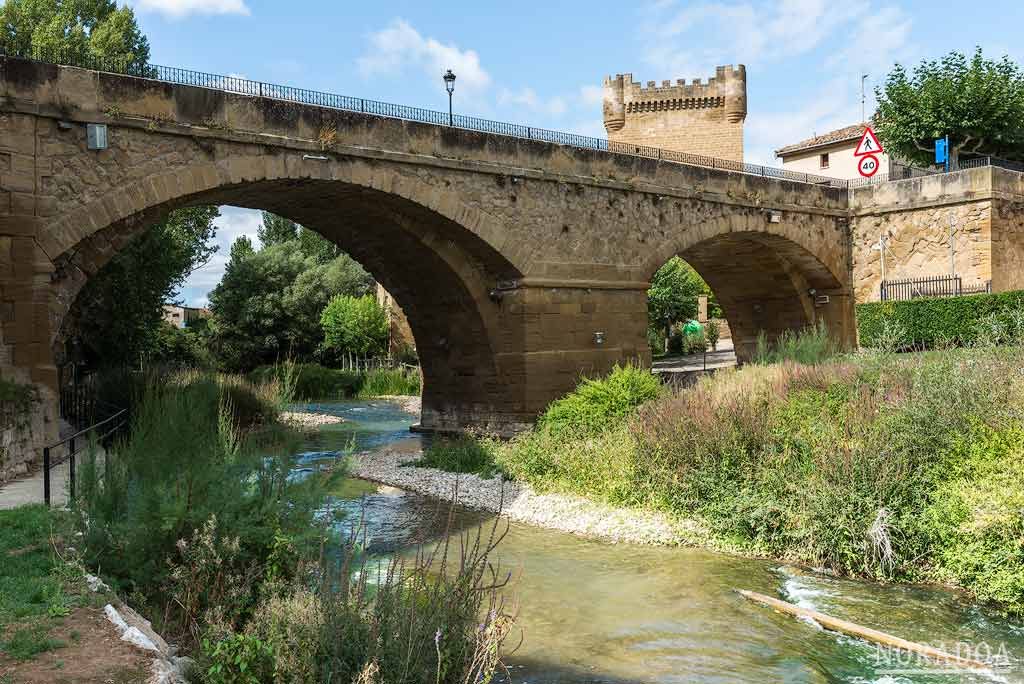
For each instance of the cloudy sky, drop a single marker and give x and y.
(543, 63)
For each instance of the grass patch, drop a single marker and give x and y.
(461, 454)
(809, 346)
(35, 587)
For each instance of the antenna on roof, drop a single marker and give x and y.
(863, 99)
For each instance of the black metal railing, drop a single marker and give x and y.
(243, 86)
(102, 433)
(234, 84)
(935, 286)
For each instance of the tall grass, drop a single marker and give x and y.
(810, 345)
(310, 381)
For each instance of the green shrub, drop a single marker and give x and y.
(600, 402)
(932, 322)
(239, 659)
(461, 454)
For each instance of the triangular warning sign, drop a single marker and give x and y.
(868, 144)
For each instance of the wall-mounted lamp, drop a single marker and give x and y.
(96, 136)
(315, 157)
(599, 338)
(515, 180)
(65, 125)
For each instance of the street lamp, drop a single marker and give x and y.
(449, 85)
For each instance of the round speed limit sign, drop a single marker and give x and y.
(868, 165)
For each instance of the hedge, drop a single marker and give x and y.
(928, 320)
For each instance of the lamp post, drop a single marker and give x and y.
(449, 85)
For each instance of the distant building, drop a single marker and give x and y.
(183, 316)
(830, 154)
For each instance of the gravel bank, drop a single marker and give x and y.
(304, 419)
(570, 514)
(409, 404)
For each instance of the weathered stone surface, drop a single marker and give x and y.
(507, 256)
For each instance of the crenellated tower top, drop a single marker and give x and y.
(663, 115)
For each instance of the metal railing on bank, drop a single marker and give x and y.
(68, 449)
(935, 286)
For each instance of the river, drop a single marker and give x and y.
(617, 613)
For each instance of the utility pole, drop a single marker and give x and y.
(863, 99)
(952, 245)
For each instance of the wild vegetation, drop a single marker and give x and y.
(308, 381)
(888, 466)
(244, 564)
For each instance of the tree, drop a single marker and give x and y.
(977, 102)
(356, 325)
(117, 316)
(75, 31)
(673, 294)
(276, 230)
(268, 304)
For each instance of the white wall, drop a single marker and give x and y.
(842, 163)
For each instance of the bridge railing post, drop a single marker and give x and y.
(46, 476)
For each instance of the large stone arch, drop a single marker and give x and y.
(439, 271)
(770, 272)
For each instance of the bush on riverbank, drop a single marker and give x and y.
(192, 476)
(310, 381)
(895, 467)
(202, 523)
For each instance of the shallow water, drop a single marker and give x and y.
(597, 612)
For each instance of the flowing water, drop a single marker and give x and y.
(598, 612)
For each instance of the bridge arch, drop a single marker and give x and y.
(417, 239)
(770, 273)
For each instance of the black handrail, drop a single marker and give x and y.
(118, 421)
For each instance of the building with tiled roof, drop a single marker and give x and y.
(830, 154)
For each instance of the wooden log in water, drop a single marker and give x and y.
(866, 633)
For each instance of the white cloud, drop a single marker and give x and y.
(528, 99)
(231, 224)
(592, 95)
(757, 33)
(178, 9)
(399, 47)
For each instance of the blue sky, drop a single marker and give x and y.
(543, 63)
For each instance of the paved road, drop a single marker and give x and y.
(723, 357)
(29, 490)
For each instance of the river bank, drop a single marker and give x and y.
(519, 502)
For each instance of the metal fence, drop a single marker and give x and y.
(69, 448)
(936, 286)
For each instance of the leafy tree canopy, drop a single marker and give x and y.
(977, 102)
(673, 294)
(357, 325)
(117, 316)
(267, 306)
(73, 30)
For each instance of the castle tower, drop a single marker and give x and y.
(699, 118)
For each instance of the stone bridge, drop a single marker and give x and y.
(519, 264)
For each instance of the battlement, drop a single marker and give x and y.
(679, 114)
(718, 86)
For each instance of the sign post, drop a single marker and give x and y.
(868, 150)
(942, 152)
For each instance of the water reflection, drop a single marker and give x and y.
(594, 612)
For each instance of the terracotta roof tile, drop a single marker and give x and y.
(841, 135)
